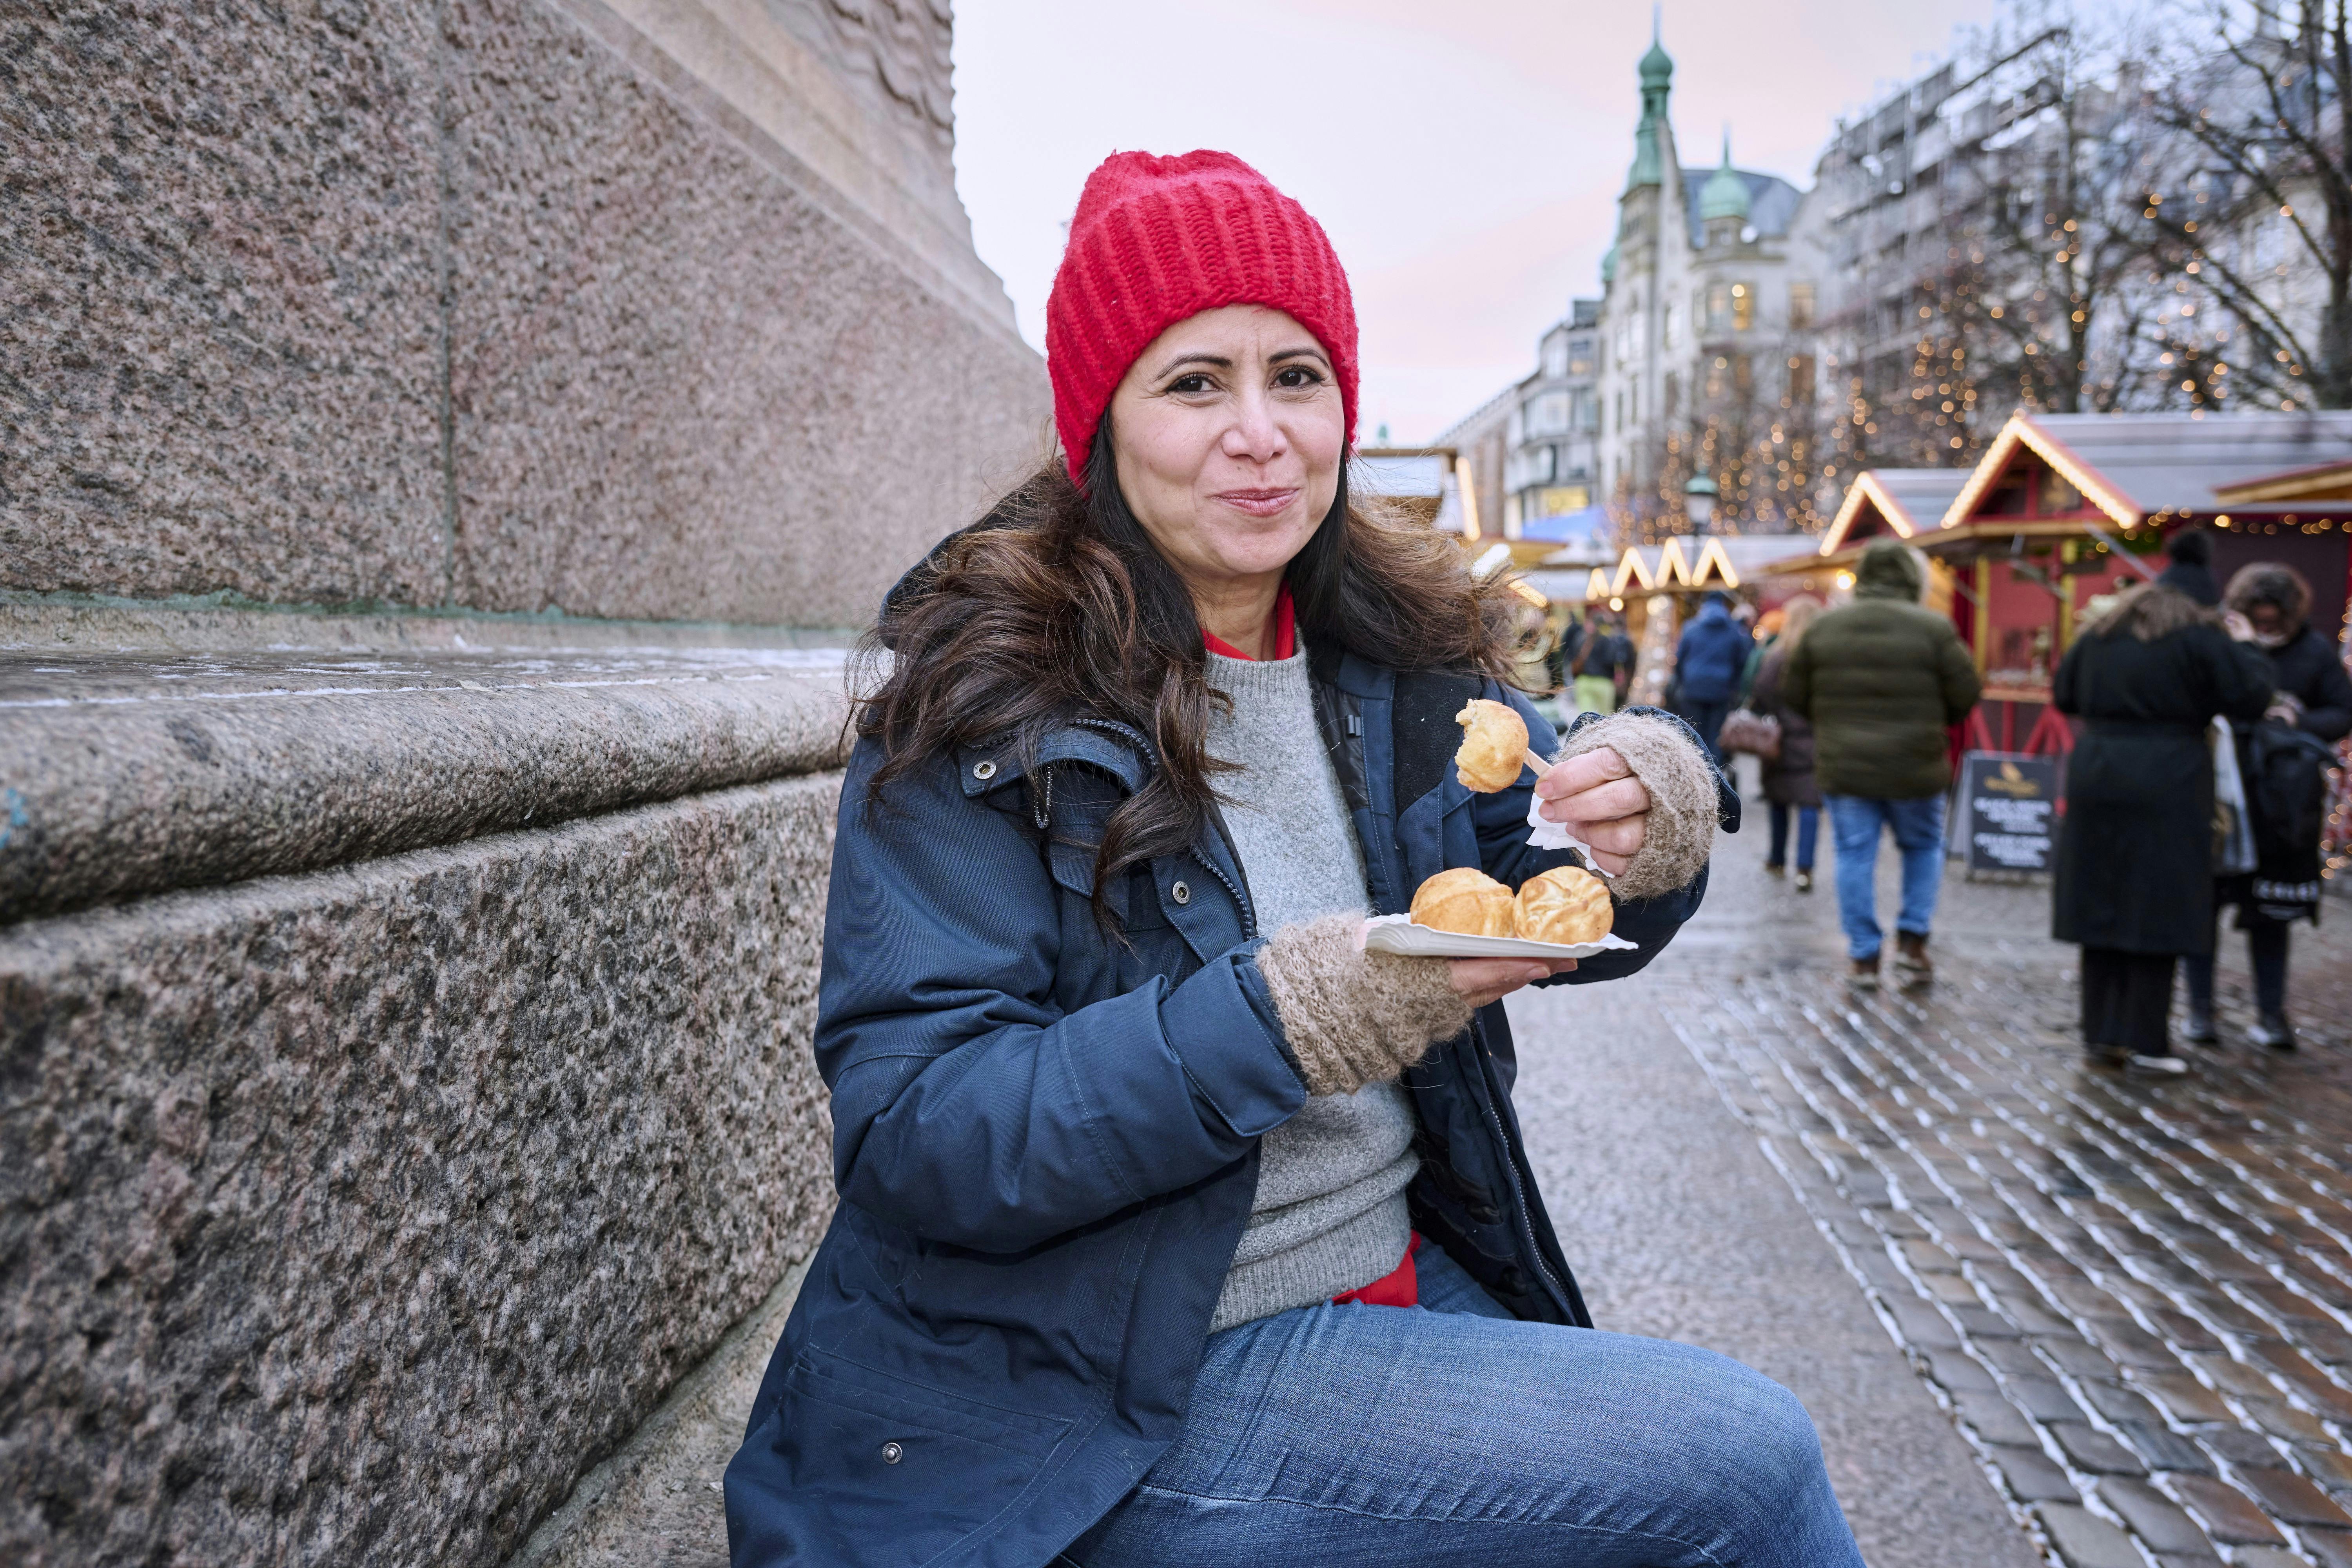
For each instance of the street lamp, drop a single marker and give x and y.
(1699, 501)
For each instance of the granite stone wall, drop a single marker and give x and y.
(350, 1216)
(485, 304)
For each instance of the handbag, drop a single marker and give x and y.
(1745, 729)
(2234, 852)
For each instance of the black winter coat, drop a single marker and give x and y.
(2135, 849)
(1789, 778)
(2306, 668)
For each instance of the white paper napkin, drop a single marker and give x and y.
(1398, 935)
(1552, 836)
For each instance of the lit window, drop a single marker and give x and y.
(1743, 307)
(1800, 304)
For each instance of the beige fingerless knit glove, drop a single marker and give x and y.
(1681, 782)
(1354, 1017)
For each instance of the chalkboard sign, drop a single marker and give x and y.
(2008, 811)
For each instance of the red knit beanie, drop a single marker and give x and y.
(1157, 240)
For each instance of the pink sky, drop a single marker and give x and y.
(1464, 155)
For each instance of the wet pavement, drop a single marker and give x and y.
(2128, 1303)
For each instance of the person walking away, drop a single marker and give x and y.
(2188, 567)
(2135, 873)
(1882, 680)
(2310, 693)
(1559, 663)
(1708, 664)
(1768, 627)
(1790, 785)
(1603, 666)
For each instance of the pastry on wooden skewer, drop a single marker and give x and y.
(1494, 746)
(1465, 900)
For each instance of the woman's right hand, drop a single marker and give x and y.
(1479, 981)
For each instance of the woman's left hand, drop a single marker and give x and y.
(1597, 799)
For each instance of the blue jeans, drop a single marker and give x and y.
(1918, 827)
(1454, 1434)
(1809, 832)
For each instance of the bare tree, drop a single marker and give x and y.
(2027, 274)
(2258, 220)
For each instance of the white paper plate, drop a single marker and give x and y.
(1398, 934)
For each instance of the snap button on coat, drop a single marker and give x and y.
(891, 1452)
(1181, 893)
(983, 770)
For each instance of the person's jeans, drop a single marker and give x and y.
(1453, 1433)
(1809, 828)
(1706, 718)
(2266, 942)
(1918, 828)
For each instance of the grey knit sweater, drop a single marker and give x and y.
(1330, 1214)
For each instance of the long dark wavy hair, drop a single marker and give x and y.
(1056, 608)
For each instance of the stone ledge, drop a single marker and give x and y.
(125, 777)
(351, 1216)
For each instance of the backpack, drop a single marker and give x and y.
(2287, 789)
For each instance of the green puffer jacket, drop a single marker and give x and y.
(1882, 679)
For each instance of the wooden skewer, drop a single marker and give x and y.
(1536, 763)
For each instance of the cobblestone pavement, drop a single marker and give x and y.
(2133, 1299)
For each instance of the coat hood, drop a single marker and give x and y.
(1888, 570)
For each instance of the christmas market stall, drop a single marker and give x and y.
(2064, 509)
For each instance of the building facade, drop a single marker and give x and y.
(1698, 358)
(1533, 448)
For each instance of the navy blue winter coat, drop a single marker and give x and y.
(1046, 1142)
(1712, 656)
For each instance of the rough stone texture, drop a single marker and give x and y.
(218, 319)
(659, 1502)
(349, 1217)
(490, 304)
(38, 624)
(680, 389)
(127, 777)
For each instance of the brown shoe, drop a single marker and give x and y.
(1911, 964)
(1864, 974)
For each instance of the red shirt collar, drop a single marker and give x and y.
(1286, 632)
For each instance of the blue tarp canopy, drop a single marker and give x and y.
(1588, 525)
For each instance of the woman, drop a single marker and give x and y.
(2135, 882)
(1603, 666)
(2310, 692)
(1789, 781)
(1174, 1227)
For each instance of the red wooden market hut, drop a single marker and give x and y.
(2064, 508)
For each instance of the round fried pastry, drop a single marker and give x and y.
(1465, 900)
(1494, 746)
(1568, 905)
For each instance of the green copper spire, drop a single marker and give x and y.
(1724, 195)
(1609, 267)
(1658, 71)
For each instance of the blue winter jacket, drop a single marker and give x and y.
(1711, 656)
(1046, 1141)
